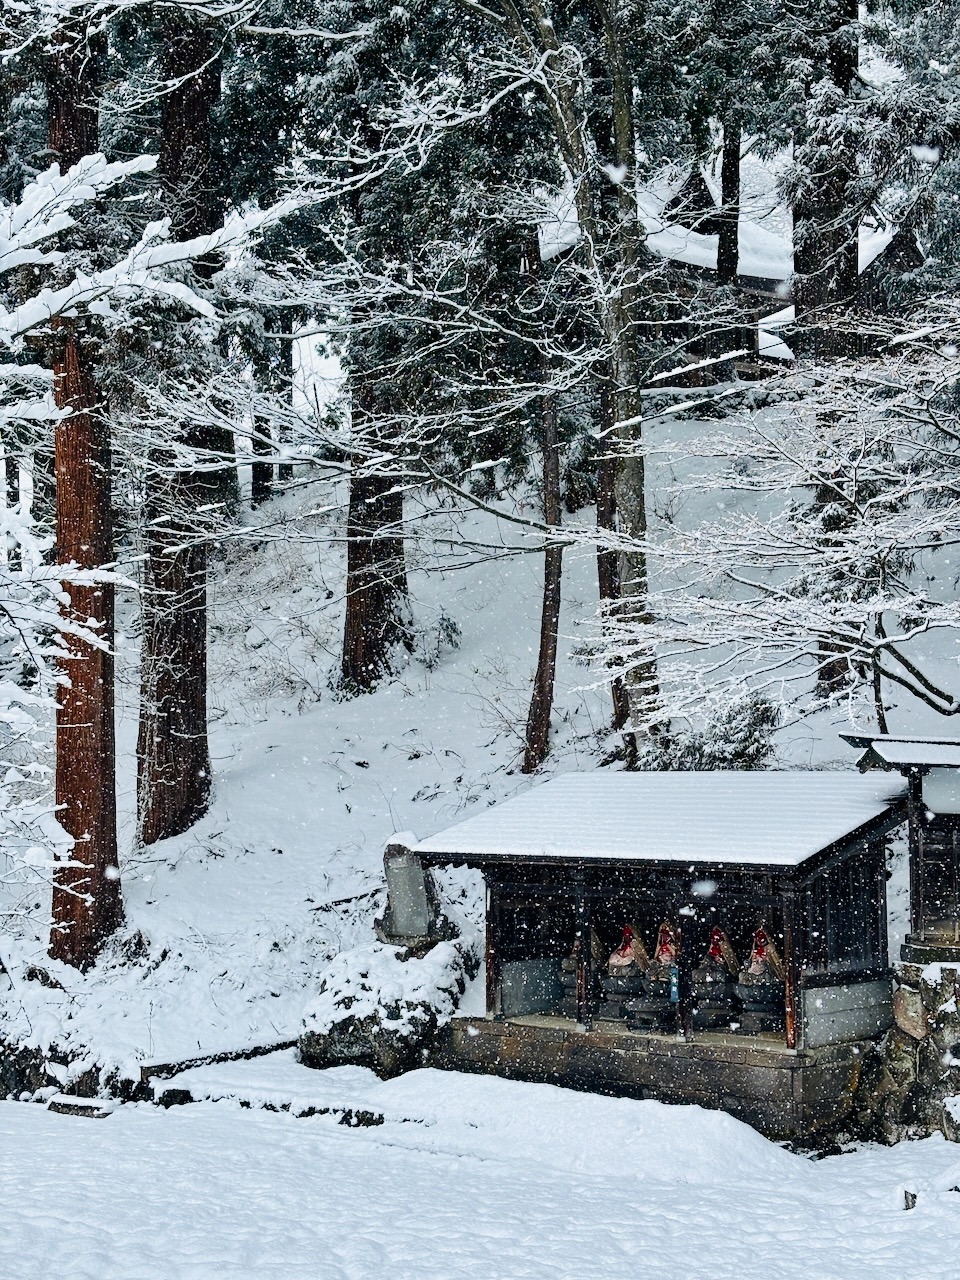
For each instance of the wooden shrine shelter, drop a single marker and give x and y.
(796, 858)
(931, 770)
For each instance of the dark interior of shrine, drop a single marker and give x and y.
(553, 930)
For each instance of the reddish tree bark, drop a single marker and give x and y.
(87, 904)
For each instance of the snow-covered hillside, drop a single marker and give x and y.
(229, 925)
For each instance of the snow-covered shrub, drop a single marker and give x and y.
(432, 641)
(739, 736)
(378, 1005)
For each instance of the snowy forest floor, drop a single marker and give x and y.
(466, 1177)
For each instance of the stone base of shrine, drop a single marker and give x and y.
(785, 1094)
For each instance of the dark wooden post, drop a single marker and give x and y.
(879, 850)
(915, 850)
(794, 1018)
(583, 952)
(492, 963)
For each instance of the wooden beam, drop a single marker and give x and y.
(883, 956)
(915, 850)
(491, 956)
(583, 952)
(794, 1017)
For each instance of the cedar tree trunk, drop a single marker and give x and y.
(173, 783)
(620, 320)
(376, 613)
(87, 904)
(826, 227)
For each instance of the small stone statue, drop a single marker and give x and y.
(761, 987)
(668, 946)
(630, 957)
(626, 968)
(714, 983)
(656, 1008)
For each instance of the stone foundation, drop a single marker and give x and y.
(804, 1096)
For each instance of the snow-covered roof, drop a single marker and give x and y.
(924, 753)
(898, 752)
(764, 234)
(761, 818)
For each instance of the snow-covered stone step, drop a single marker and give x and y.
(66, 1104)
(275, 1082)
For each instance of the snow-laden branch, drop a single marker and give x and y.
(141, 270)
(809, 548)
(46, 207)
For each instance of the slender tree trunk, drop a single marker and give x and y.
(285, 345)
(261, 473)
(376, 609)
(728, 241)
(877, 681)
(541, 703)
(218, 443)
(173, 784)
(11, 475)
(608, 577)
(87, 904)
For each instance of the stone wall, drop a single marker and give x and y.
(906, 1088)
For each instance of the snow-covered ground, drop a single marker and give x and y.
(466, 1177)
